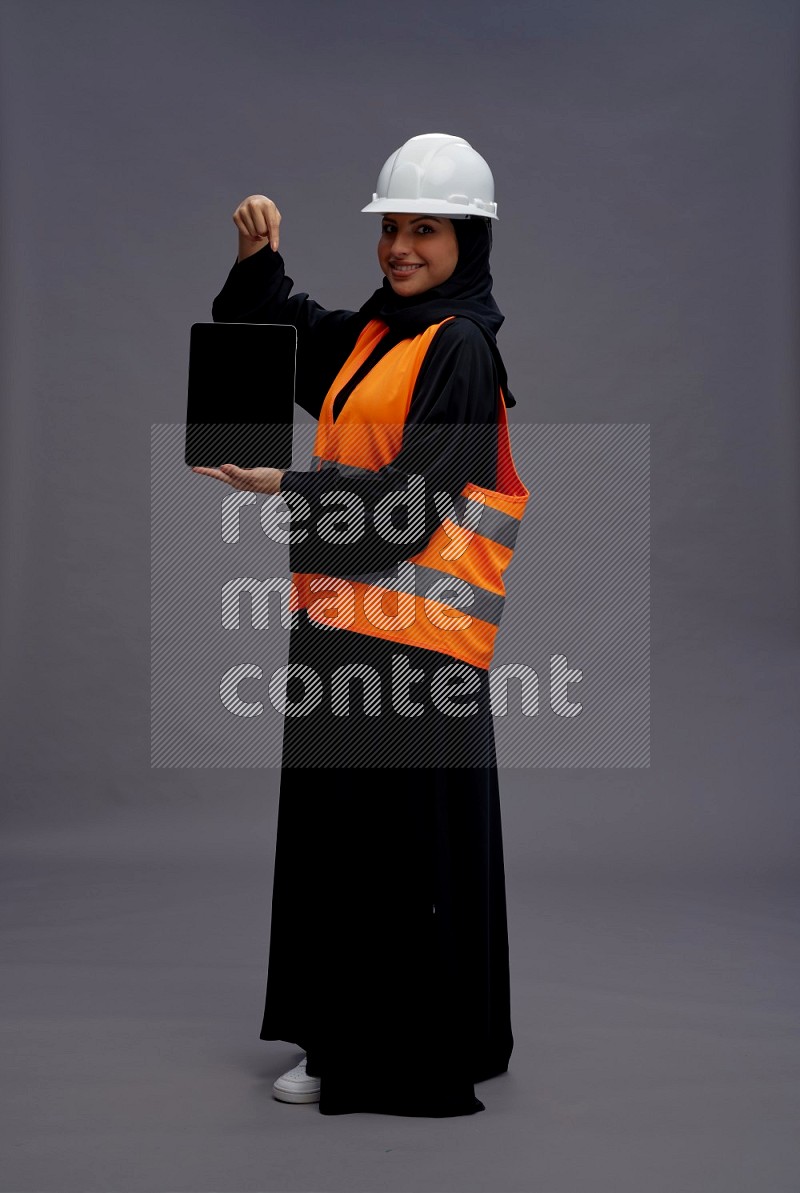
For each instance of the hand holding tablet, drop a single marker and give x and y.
(252, 480)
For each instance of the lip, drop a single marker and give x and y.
(404, 272)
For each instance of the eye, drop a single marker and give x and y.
(425, 228)
(387, 228)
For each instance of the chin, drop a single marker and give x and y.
(403, 292)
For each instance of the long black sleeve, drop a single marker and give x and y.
(257, 290)
(450, 437)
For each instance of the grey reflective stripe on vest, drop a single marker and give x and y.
(485, 605)
(490, 523)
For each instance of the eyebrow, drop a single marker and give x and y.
(417, 218)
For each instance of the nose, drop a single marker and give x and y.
(401, 243)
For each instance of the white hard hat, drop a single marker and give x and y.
(435, 174)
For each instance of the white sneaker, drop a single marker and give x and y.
(297, 1086)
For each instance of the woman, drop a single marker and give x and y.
(388, 959)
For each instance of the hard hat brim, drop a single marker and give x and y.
(431, 207)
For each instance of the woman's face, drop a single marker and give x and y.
(417, 252)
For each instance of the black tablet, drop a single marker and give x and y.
(240, 404)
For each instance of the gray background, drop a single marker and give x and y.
(645, 257)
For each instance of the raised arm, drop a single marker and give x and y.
(257, 290)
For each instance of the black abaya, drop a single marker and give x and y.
(389, 948)
(388, 959)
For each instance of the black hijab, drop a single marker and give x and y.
(467, 292)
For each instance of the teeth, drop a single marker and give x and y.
(405, 268)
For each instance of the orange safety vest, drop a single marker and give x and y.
(449, 597)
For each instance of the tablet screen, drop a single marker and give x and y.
(240, 403)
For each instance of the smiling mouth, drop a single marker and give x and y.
(404, 268)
